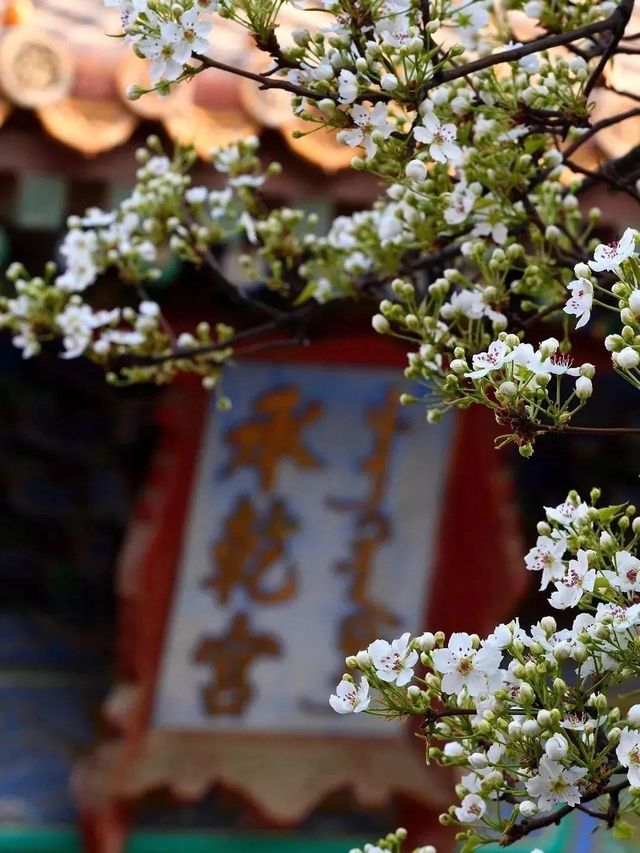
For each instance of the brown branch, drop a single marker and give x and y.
(597, 127)
(571, 430)
(541, 314)
(437, 714)
(297, 318)
(262, 80)
(609, 87)
(628, 166)
(520, 830)
(234, 295)
(620, 14)
(603, 175)
(614, 23)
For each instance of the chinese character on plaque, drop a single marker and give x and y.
(272, 541)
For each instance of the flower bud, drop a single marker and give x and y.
(389, 82)
(614, 735)
(627, 358)
(549, 347)
(478, 760)
(582, 271)
(544, 718)
(134, 93)
(599, 702)
(416, 171)
(459, 366)
(562, 651)
(426, 641)
(634, 302)
(508, 389)
(627, 316)
(526, 694)
(453, 749)
(556, 747)
(363, 660)
(519, 671)
(602, 632)
(606, 540)
(528, 808)
(612, 343)
(530, 728)
(633, 715)
(584, 388)
(380, 324)
(548, 625)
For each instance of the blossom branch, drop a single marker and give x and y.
(617, 19)
(520, 830)
(264, 81)
(618, 26)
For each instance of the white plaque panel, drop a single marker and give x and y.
(311, 532)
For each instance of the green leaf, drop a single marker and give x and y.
(306, 294)
(622, 831)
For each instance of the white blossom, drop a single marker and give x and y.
(393, 661)
(463, 666)
(439, 137)
(578, 579)
(471, 809)
(497, 355)
(580, 301)
(554, 784)
(626, 576)
(607, 257)
(567, 513)
(546, 557)
(366, 122)
(350, 699)
(628, 752)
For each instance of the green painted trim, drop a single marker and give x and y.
(39, 841)
(117, 194)
(556, 839)
(41, 202)
(68, 841)
(259, 843)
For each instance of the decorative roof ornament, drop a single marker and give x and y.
(55, 59)
(36, 69)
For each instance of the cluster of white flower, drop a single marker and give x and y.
(502, 706)
(393, 842)
(167, 34)
(129, 240)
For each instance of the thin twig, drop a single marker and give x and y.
(297, 318)
(261, 79)
(622, 14)
(232, 292)
(597, 127)
(571, 430)
(603, 175)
